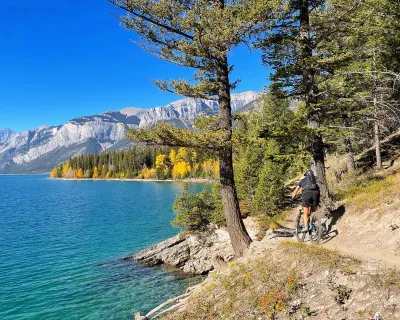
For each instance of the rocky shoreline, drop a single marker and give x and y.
(195, 254)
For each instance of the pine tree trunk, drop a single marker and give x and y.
(310, 92)
(351, 164)
(239, 237)
(320, 172)
(377, 145)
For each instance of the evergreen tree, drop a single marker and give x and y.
(365, 86)
(103, 170)
(270, 190)
(196, 211)
(199, 35)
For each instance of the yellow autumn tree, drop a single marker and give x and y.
(53, 173)
(195, 169)
(172, 157)
(181, 170)
(181, 166)
(95, 173)
(65, 168)
(182, 155)
(160, 161)
(149, 174)
(87, 174)
(210, 168)
(161, 166)
(79, 173)
(144, 172)
(108, 175)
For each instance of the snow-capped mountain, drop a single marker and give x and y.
(6, 135)
(41, 149)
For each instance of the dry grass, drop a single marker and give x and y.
(264, 288)
(363, 190)
(373, 193)
(317, 257)
(327, 284)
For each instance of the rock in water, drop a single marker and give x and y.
(193, 253)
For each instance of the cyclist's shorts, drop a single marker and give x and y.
(310, 198)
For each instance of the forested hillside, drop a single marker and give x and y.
(140, 163)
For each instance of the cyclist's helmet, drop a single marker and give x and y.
(309, 173)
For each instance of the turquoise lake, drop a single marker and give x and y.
(61, 244)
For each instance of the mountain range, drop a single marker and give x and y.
(41, 149)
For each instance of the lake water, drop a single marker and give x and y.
(61, 244)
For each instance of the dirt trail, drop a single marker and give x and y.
(386, 258)
(367, 236)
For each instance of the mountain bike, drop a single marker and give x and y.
(315, 228)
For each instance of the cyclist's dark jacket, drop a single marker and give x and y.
(310, 197)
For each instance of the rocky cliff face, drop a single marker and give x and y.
(40, 149)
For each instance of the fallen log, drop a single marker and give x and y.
(153, 314)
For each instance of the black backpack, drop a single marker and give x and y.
(311, 183)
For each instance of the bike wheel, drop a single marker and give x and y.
(297, 228)
(316, 227)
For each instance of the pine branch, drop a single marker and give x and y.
(164, 134)
(141, 15)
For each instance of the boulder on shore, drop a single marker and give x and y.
(196, 253)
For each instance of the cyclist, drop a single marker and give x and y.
(310, 195)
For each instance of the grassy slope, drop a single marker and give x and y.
(296, 281)
(370, 225)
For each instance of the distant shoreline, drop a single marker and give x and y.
(191, 180)
(24, 174)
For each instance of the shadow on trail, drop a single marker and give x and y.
(279, 233)
(282, 231)
(286, 232)
(335, 216)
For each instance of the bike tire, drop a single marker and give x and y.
(316, 232)
(300, 236)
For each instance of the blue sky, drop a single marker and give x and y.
(64, 59)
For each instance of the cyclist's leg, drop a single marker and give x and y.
(314, 204)
(314, 208)
(306, 215)
(299, 214)
(306, 207)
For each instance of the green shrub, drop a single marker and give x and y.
(195, 211)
